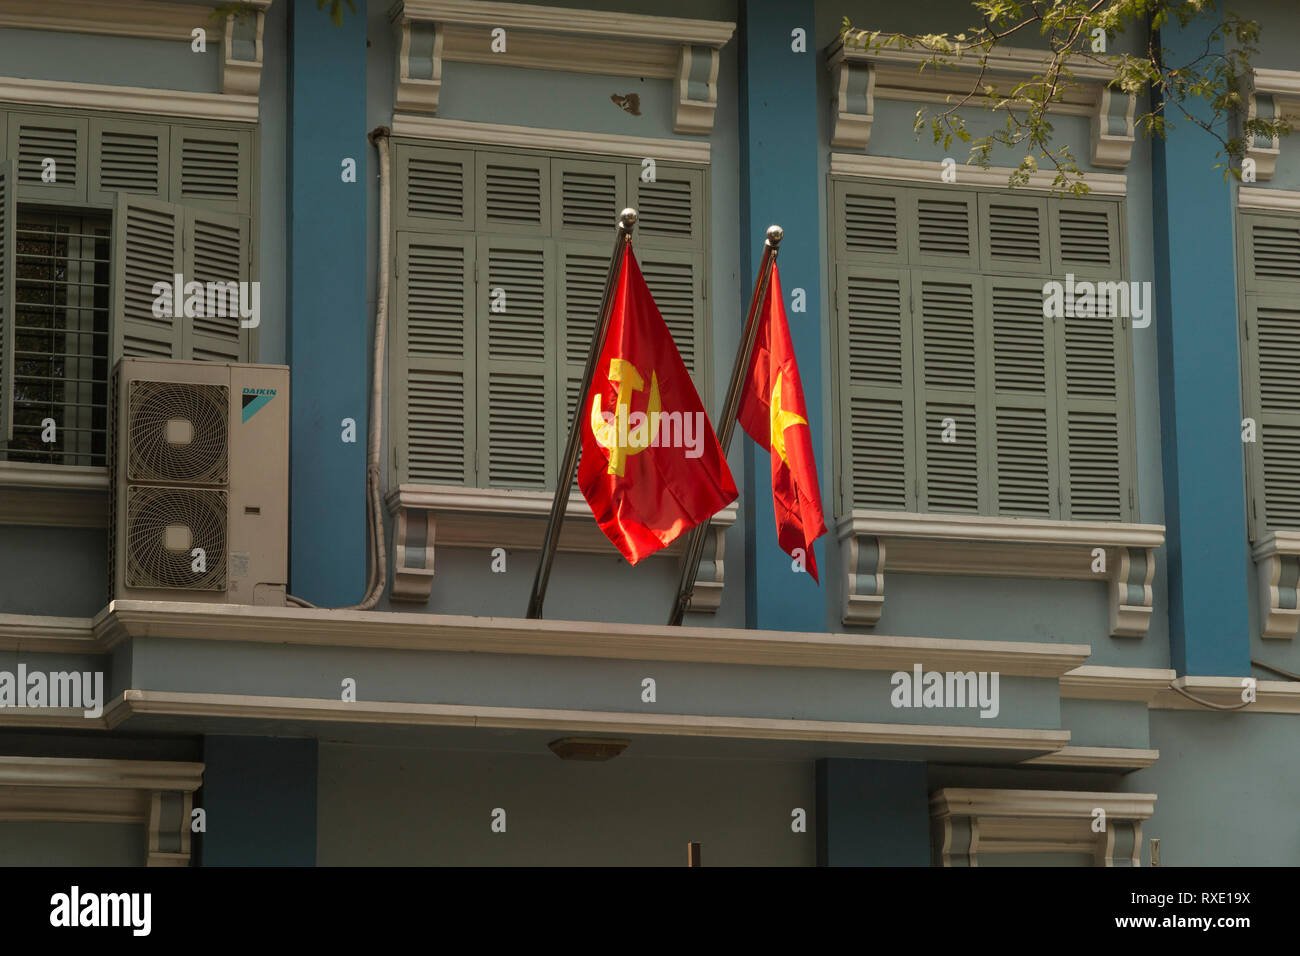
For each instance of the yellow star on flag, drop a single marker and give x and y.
(781, 420)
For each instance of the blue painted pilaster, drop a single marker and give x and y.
(259, 794)
(872, 813)
(327, 346)
(778, 184)
(1200, 388)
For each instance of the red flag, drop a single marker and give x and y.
(772, 411)
(651, 465)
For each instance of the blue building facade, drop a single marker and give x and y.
(1058, 602)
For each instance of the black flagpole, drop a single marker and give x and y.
(727, 423)
(626, 222)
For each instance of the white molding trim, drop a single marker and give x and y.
(79, 790)
(1280, 91)
(225, 107)
(15, 474)
(897, 75)
(873, 542)
(53, 496)
(123, 620)
(530, 137)
(558, 38)
(967, 822)
(1098, 758)
(925, 171)
(1277, 559)
(134, 702)
(1095, 682)
(456, 516)
(1270, 200)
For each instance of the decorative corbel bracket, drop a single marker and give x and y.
(419, 64)
(1277, 560)
(169, 828)
(697, 90)
(1112, 128)
(1131, 598)
(241, 51)
(998, 547)
(853, 103)
(515, 521)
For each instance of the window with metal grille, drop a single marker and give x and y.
(61, 337)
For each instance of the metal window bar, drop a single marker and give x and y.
(61, 337)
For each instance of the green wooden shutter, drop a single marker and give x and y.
(947, 341)
(1022, 416)
(128, 157)
(874, 226)
(583, 267)
(1014, 235)
(1085, 238)
(943, 229)
(1093, 417)
(1273, 355)
(513, 194)
(147, 238)
(877, 426)
(516, 367)
(211, 168)
(8, 252)
(432, 188)
(35, 137)
(433, 360)
(216, 251)
(1272, 253)
(587, 198)
(670, 209)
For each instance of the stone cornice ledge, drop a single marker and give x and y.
(1094, 682)
(997, 177)
(100, 774)
(1271, 696)
(232, 107)
(1269, 200)
(1040, 803)
(178, 704)
(123, 620)
(53, 496)
(874, 542)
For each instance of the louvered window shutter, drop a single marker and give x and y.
(947, 337)
(1022, 413)
(1092, 387)
(1014, 235)
(1273, 324)
(587, 198)
(1085, 239)
(128, 157)
(216, 251)
(874, 223)
(517, 362)
(8, 252)
(1272, 259)
(432, 188)
(210, 168)
(433, 359)
(513, 194)
(583, 268)
(36, 140)
(877, 427)
(669, 210)
(943, 228)
(147, 238)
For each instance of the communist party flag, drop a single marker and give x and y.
(772, 411)
(651, 465)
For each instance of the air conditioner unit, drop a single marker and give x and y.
(199, 463)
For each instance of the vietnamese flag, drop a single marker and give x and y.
(651, 465)
(772, 411)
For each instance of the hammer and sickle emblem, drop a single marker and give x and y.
(613, 435)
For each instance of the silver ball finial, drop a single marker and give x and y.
(774, 235)
(627, 218)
